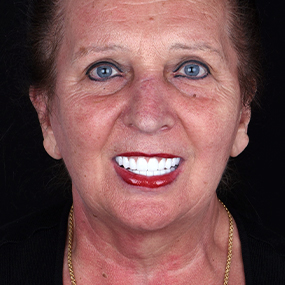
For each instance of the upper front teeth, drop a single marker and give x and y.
(151, 167)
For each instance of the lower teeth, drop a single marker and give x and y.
(152, 173)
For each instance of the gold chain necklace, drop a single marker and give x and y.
(69, 254)
(230, 245)
(70, 239)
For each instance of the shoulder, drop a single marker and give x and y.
(263, 252)
(29, 246)
(25, 227)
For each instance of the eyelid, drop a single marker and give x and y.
(193, 61)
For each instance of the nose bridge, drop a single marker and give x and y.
(148, 91)
(149, 110)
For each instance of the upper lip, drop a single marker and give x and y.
(141, 154)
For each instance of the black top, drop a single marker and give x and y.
(32, 249)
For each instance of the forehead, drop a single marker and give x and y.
(141, 10)
(114, 22)
(141, 6)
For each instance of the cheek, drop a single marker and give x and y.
(211, 131)
(82, 127)
(211, 121)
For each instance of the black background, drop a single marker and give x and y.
(27, 173)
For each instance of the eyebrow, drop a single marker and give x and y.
(200, 46)
(83, 51)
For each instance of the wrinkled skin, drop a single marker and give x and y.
(147, 109)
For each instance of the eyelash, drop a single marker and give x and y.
(103, 64)
(193, 63)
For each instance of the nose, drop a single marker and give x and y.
(149, 109)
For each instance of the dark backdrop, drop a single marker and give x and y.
(27, 173)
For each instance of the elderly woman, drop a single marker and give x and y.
(145, 101)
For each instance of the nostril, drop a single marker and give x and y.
(149, 122)
(165, 127)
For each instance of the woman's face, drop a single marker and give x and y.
(139, 83)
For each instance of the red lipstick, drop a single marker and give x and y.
(146, 181)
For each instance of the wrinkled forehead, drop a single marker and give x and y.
(139, 9)
(140, 3)
(114, 22)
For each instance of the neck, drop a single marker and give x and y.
(188, 241)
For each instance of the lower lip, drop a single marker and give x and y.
(146, 181)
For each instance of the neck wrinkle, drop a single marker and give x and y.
(146, 252)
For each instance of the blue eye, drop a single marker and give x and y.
(103, 71)
(192, 69)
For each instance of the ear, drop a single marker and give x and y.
(241, 140)
(39, 100)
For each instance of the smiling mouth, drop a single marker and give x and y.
(149, 167)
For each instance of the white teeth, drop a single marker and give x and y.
(119, 160)
(152, 164)
(161, 164)
(168, 163)
(133, 164)
(141, 164)
(150, 173)
(152, 167)
(156, 173)
(126, 162)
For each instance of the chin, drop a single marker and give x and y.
(148, 215)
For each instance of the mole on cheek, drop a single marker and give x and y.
(104, 275)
